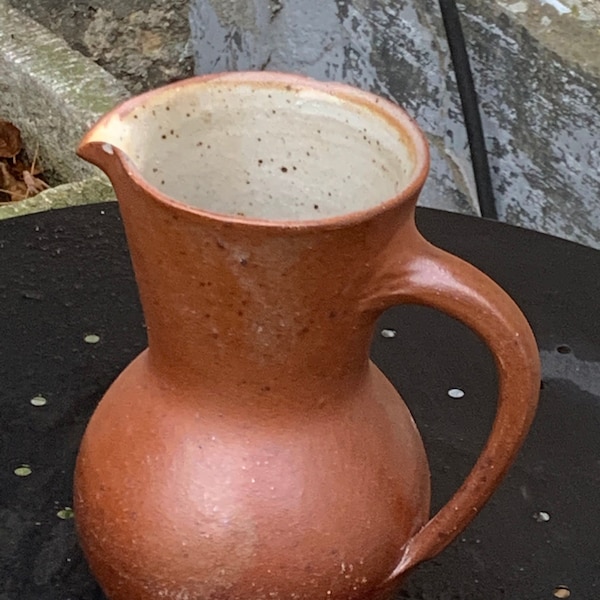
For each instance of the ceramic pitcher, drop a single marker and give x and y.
(253, 451)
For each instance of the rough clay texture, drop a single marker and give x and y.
(144, 43)
(51, 92)
(535, 70)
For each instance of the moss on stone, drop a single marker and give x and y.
(89, 191)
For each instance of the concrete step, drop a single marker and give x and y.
(53, 94)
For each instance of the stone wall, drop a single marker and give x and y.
(144, 43)
(534, 67)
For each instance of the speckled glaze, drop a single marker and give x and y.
(253, 451)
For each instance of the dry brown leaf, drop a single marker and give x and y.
(18, 179)
(34, 184)
(10, 139)
(17, 190)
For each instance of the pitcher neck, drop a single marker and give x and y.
(242, 302)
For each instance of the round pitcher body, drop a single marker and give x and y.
(216, 494)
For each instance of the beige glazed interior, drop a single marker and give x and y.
(266, 151)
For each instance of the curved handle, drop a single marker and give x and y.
(434, 278)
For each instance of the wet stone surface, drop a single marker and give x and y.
(52, 299)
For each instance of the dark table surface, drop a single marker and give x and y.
(65, 276)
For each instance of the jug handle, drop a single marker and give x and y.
(434, 278)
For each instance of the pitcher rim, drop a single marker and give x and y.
(395, 115)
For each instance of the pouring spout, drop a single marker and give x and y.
(103, 144)
(100, 154)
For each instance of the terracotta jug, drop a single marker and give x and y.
(253, 451)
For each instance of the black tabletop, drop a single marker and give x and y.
(71, 322)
